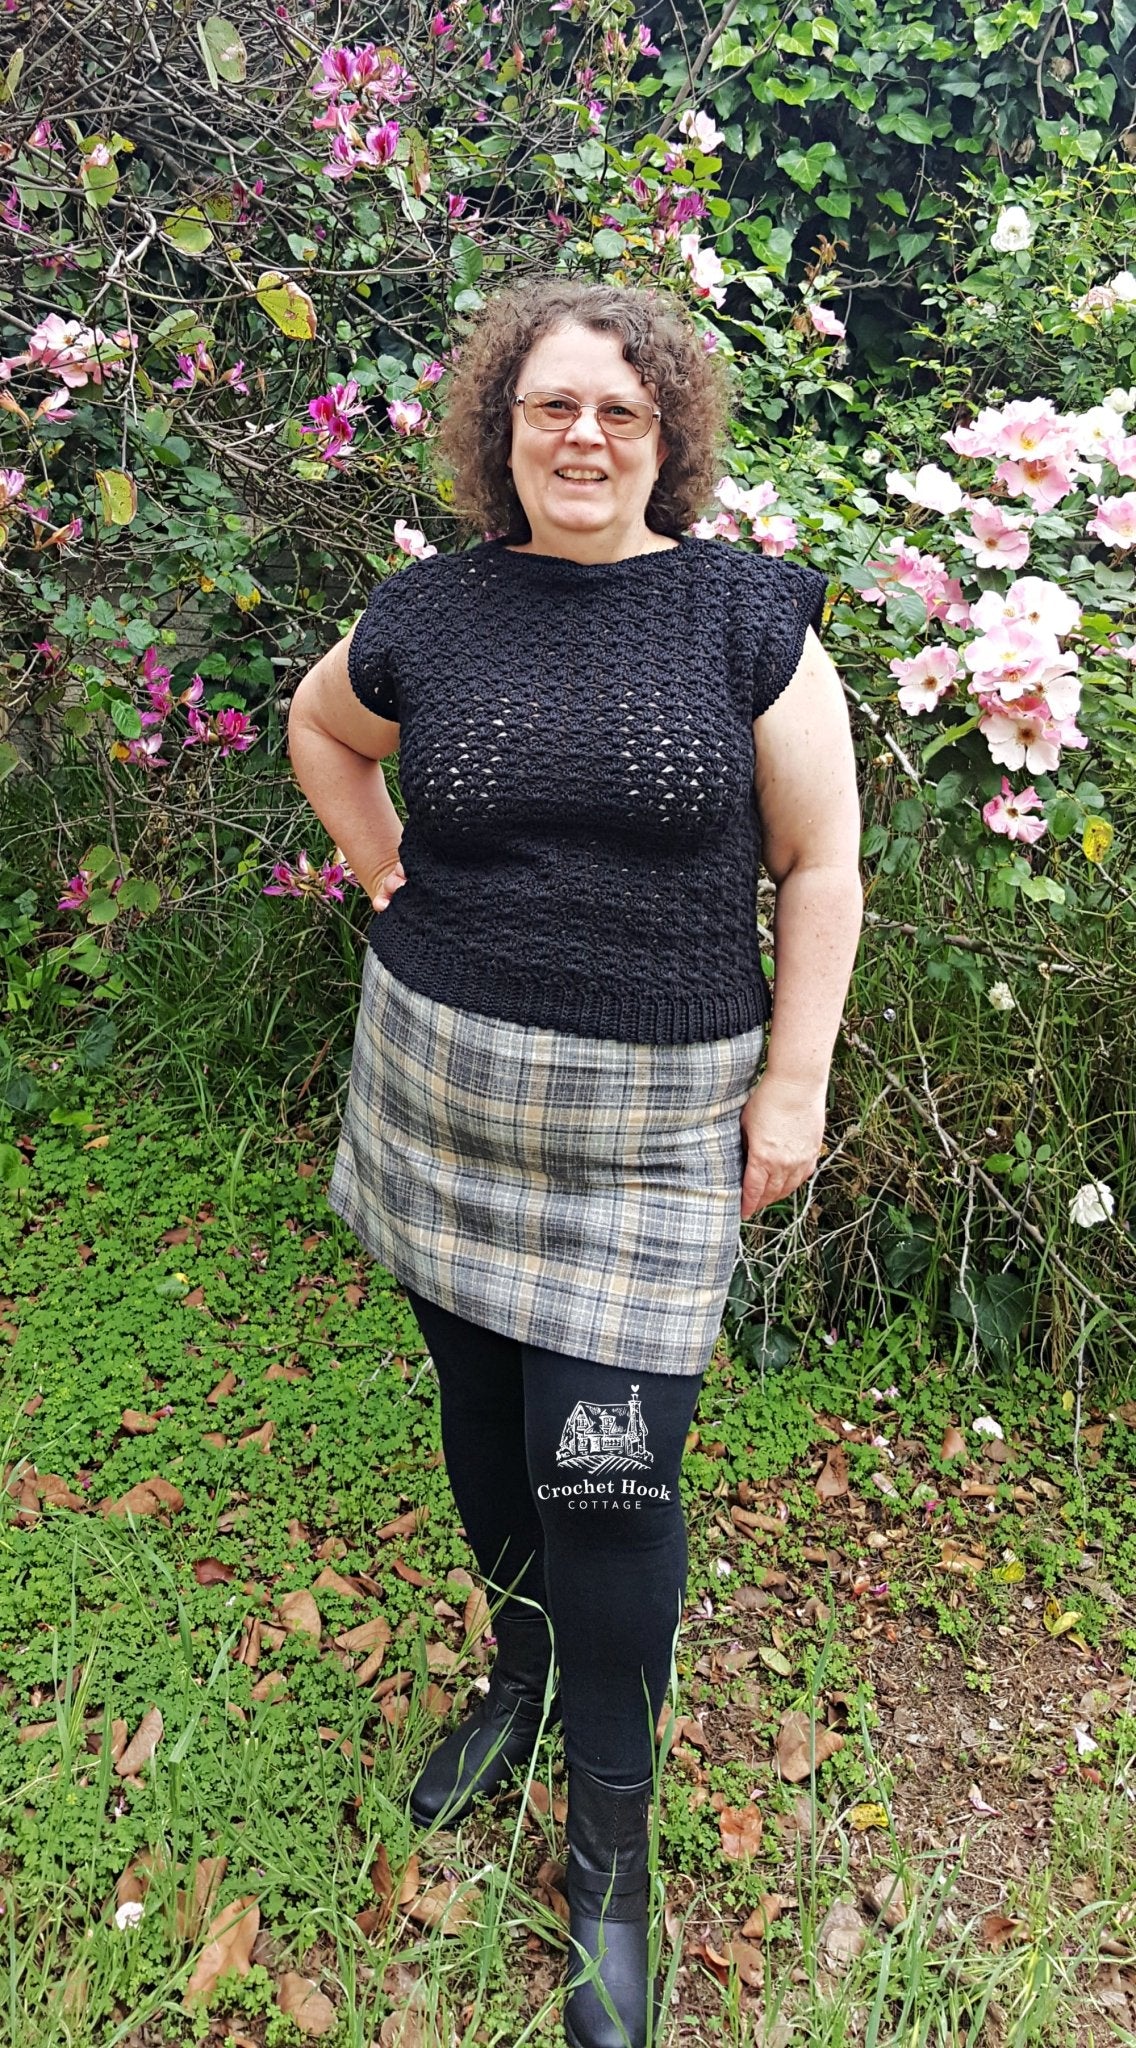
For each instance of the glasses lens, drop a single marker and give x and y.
(625, 418)
(545, 409)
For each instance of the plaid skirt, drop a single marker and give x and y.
(581, 1194)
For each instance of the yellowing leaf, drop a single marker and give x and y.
(776, 1660)
(1010, 1574)
(1059, 1620)
(1096, 838)
(287, 304)
(868, 1816)
(118, 496)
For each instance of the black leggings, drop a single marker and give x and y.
(565, 1474)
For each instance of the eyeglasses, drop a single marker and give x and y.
(626, 418)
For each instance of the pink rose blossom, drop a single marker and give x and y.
(998, 539)
(1114, 521)
(412, 541)
(776, 532)
(925, 678)
(724, 527)
(1011, 815)
(826, 321)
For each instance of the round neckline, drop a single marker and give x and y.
(567, 565)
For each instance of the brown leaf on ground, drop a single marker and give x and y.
(748, 1962)
(194, 1299)
(997, 1930)
(440, 1657)
(145, 1741)
(305, 2004)
(210, 1571)
(550, 1887)
(801, 1748)
(227, 1385)
(177, 1236)
(193, 1908)
(405, 1525)
(833, 1479)
(331, 1581)
(740, 1831)
(953, 1444)
(447, 1907)
(150, 1497)
(228, 1946)
(407, 1572)
(476, 1617)
(136, 1424)
(33, 1731)
(683, 1728)
(436, 1701)
(273, 1686)
(248, 1649)
(300, 1615)
(54, 1492)
(769, 1908)
(261, 1437)
(277, 1371)
(886, 1896)
(840, 1936)
(366, 1636)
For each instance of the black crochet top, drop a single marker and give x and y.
(577, 760)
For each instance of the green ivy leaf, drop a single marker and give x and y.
(189, 231)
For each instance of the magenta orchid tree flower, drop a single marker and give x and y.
(231, 732)
(81, 888)
(330, 422)
(326, 882)
(405, 415)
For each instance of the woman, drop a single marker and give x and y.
(601, 721)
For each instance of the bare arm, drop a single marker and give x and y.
(337, 746)
(805, 778)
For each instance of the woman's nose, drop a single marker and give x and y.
(586, 428)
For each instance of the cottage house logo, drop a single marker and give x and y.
(605, 1436)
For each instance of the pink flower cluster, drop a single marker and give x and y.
(331, 417)
(75, 353)
(775, 532)
(232, 732)
(199, 368)
(305, 880)
(356, 83)
(80, 888)
(1025, 686)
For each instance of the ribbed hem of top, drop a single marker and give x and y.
(635, 1016)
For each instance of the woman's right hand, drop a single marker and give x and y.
(392, 880)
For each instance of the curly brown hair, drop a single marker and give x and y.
(660, 340)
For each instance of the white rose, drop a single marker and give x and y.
(1013, 230)
(1094, 1203)
(1000, 997)
(1124, 286)
(872, 458)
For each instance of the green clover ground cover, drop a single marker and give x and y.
(273, 1384)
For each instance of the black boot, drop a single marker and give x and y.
(500, 1733)
(608, 1898)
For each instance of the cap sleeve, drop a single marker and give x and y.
(794, 601)
(370, 658)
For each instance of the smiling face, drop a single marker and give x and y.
(584, 493)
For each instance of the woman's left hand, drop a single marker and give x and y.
(783, 1130)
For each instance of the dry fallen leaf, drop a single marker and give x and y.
(209, 1571)
(448, 1906)
(373, 1635)
(769, 1908)
(833, 1479)
(953, 1444)
(228, 1946)
(136, 1424)
(740, 1831)
(300, 1615)
(142, 1747)
(193, 1910)
(801, 1747)
(748, 1962)
(305, 2004)
(550, 1887)
(997, 1930)
(840, 1936)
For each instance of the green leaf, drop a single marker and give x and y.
(9, 759)
(10, 78)
(101, 909)
(911, 127)
(138, 895)
(126, 718)
(140, 634)
(224, 54)
(608, 243)
(189, 231)
(98, 180)
(1042, 889)
(118, 494)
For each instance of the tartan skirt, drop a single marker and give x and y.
(580, 1194)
